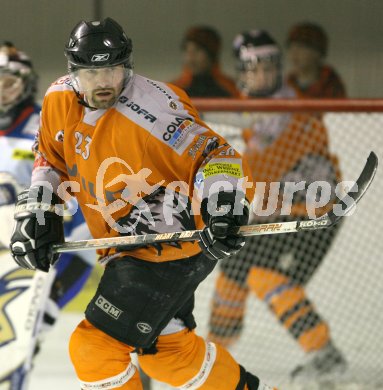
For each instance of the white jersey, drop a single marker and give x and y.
(16, 164)
(16, 156)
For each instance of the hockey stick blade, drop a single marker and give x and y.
(341, 208)
(329, 219)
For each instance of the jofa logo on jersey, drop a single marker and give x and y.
(137, 109)
(100, 57)
(7, 295)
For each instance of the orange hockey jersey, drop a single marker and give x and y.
(149, 158)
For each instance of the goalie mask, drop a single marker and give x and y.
(258, 63)
(99, 61)
(18, 81)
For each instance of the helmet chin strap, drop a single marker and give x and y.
(81, 100)
(84, 103)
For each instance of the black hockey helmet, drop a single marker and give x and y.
(255, 45)
(98, 44)
(252, 48)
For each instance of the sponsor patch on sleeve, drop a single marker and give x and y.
(180, 135)
(222, 168)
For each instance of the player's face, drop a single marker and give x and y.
(11, 87)
(259, 79)
(101, 86)
(196, 59)
(302, 57)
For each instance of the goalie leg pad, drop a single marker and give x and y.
(136, 299)
(23, 295)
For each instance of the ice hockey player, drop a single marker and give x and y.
(280, 148)
(134, 154)
(30, 301)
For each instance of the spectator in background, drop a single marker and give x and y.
(201, 76)
(307, 45)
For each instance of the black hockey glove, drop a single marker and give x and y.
(219, 239)
(32, 240)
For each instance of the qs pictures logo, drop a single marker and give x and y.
(11, 287)
(131, 185)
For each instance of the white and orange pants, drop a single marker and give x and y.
(183, 360)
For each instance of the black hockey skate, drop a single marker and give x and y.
(325, 365)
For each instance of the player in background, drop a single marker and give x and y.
(142, 145)
(279, 148)
(310, 76)
(201, 75)
(30, 301)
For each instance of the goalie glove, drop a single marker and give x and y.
(219, 239)
(37, 228)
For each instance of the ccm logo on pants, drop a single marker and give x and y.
(107, 307)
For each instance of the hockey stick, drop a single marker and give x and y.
(327, 220)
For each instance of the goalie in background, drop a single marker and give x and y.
(279, 148)
(30, 301)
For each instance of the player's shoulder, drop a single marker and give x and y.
(165, 97)
(62, 84)
(178, 121)
(151, 103)
(59, 96)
